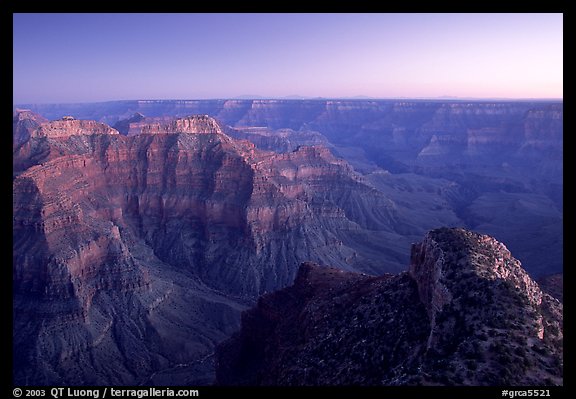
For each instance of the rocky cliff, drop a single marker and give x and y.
(94, 301)
(408, 128)
(154, 243)
(498, 154)
(465, 313)
(68, 126)
(24, 122)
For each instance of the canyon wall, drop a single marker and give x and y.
(155, 242)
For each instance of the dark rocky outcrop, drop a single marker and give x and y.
(123, 126)
(465, 313)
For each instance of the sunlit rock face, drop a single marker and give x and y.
(465, 313)
(68, 126)
(154, 242)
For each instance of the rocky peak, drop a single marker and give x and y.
(448, 255)
(464, 314)
(195, 124)
(24, 122)
(124, 125)
(315, 151)
(21, 114)
(68, 126)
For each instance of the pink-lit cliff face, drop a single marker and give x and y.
(90, 57)
(155, 242)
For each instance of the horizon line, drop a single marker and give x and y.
(302, 98)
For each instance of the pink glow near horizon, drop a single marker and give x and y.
(96, 57)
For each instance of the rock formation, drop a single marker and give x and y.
(499, 154)
(465, 313)
(68, 126)
(24, 122)
(154, 243)
(123, 126)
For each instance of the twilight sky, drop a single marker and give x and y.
(99, 57)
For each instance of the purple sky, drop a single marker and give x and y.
(99, 57)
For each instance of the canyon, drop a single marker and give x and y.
(143, 229)
(491, 163)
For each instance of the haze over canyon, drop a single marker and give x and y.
(142, 231)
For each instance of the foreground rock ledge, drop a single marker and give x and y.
(465, 313)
